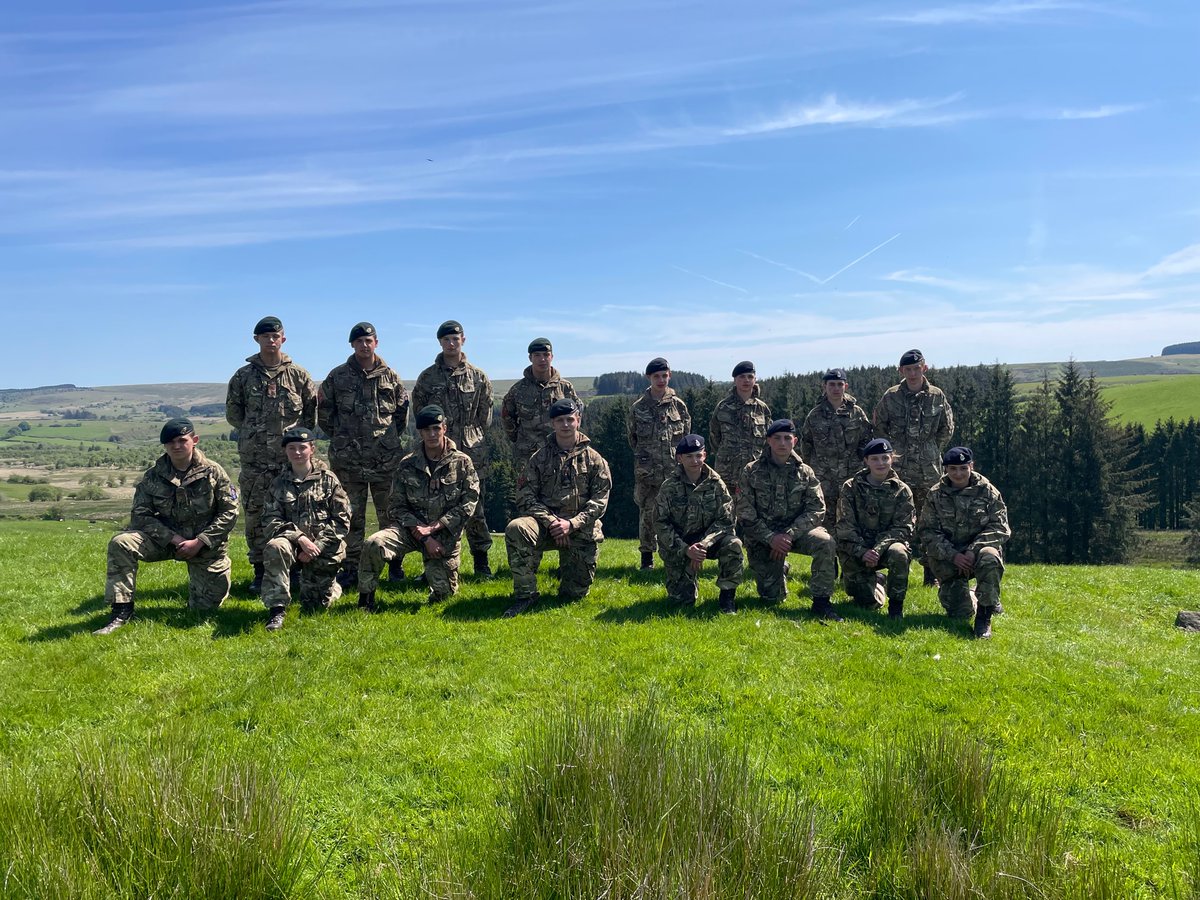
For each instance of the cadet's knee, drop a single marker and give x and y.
(123, 545)
(896, 555)
(988, 558)
(277, 547)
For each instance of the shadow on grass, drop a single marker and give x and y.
(658, 608)
(227, 621)
(478, 609)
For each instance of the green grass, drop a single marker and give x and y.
(404, 730)
(1146, 401)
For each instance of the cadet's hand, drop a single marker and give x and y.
(697, 554)
(188, 549)
(560, 530)
(781, 546)
(871, 558)
(420, 531)
(964, 562)
(308, 550)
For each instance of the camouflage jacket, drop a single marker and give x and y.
(918, 425)
(197, 503)
(445, 491)
(262, 403)
(689, 513)
(872, 516)
(525, 412)
(779, 499)
(315, 506)
(465, 394)
(953, 521)
(830, 439)
(569, 484)
(655, 427)
(736, 434)
(364, 414)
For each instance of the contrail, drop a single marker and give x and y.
(713, 280)
(813, 278)
(852, 221)
(860, 259)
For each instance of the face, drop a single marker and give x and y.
(364, 347)
(960, 475)
(659, 380)
(914, 373)
(565, 426)
(540, 360)
(179, 450)
(299, 453)
(693, 463)
(745, 382)
(452, 344)
(835, 390)
(270, 342)
(782, 443)
(433, 435)
(879, 464)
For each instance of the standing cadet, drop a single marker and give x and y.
(963, 527)
(434, 493)
(695, 523)
(183, 508)
(306, 520)
(833, 433)
(916, 417)
(363, 407)
(266, 397)
(875, 524)
(562, 494)
(657, 420)
(739, 426)
(781, 509)
(525, 411)
(465, 395)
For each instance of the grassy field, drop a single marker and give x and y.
(1146, 400)
(400, 735)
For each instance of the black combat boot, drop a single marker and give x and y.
(725, 601)
(521, 606)
(275, 617)
(366, 601)
(930, 580)
(983, 622)
(482, 567)
(122, 613)
(896, 607)
(823, 609)
(256, 584)
(647, 559)
(348, 577)
(689, 596)
(395, 569)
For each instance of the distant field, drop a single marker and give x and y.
(1146, 400)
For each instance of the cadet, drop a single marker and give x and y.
(875, 523)
(434, 493)
(265, 398)
(739, 426)
(695, 523)
(833, 433)
(306, 520)
(525, 410)
(963, 527)
(183, 508)
(465, 395)
(780, 509)
(657, 420)
(562, 494)
(916, 417)
(363, 408)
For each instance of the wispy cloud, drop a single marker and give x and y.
(984, 13)
(831, 111)
(1107, 111)
(1182, 262)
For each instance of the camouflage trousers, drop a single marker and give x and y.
(645, 495)
(920, 487)
(317, 584)
(682, 579)
(479, 539)
(830, 490)
(208, 571)
(769, 575)
(954, 590)
(526, 540)
(441, 573)
(253, 485)
(358, 491)
(859, 579)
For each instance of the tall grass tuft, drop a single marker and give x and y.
(1185, 848)
(620, 806)
(164, 821)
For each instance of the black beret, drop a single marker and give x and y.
(879, 445)
(564, 407)
(745, 366)
(430, 415)
(540, 345)
(175, 428)
(957, 456)
(690, 443)
(451, 327)
(658, 364)
(362, 329)
(835, 375)
(298, 435)
(911, 357)
(781, 425)
(268, 325)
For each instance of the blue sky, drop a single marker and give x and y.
(805, 184)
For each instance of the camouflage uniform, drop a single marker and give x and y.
(778, 499)
(700, 513)
(829, 442)
(364, 414)
(877, 517)
(197, 503)
(954, 521)
(736, 434)
(315, 507)
(655, 427)
(525, 412)
(261, 404)
(445, 491)
(465, 395)
(569, 484)
(919, 426)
